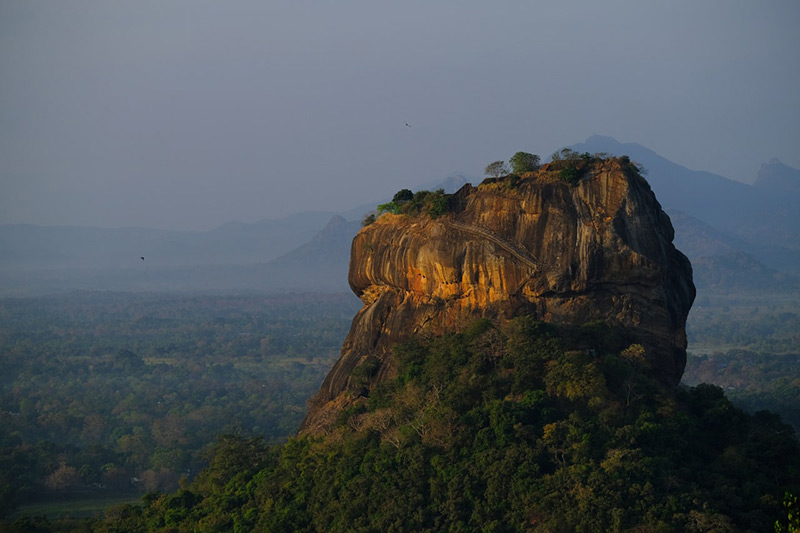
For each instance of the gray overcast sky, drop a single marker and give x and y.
(190, 113)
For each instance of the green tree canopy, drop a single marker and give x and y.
(503, 427)
(496, 169)
(524, 162)
(402, 196)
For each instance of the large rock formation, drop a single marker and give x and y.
(568, 254)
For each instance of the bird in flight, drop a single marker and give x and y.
(407, 124)
(142, 258)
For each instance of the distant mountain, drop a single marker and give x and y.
(24, 246)
(777, 177)
(52, 259)
(320, 264)
(738, 270)
(450, 184)
(236, 243)
(761, 219)
(697, 239)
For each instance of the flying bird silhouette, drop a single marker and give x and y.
(407, 124)
(142, 258)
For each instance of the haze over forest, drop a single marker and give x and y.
(180, 187)
(188, 115)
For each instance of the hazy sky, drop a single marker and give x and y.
(190, 113)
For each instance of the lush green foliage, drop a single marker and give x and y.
(752, 380)
(502, 431)
(570, 175)
(792, 522)
(749, 348)
(433, 204)
(524, 162)
(571, 165)
(402, 196)
(369, 218)
(98, 388)
(766, 325)
(496, 169)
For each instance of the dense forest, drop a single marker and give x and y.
(107, 392)
(112, 393)
(749, 344)
(519, 428)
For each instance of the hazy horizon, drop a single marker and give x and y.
(188, 115)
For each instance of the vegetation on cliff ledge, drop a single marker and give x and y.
(566, 165)
(501, 429)
(433, 204)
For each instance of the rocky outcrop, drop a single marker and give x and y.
(568, 254)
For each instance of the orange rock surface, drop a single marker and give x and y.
(600, 250)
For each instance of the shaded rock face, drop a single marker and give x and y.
(568, 255)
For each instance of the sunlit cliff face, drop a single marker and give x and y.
(600, 250)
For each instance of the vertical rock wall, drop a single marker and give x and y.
(600, 250)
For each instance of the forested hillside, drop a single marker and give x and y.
(749, 344)
(512, 429)
(99, 388)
